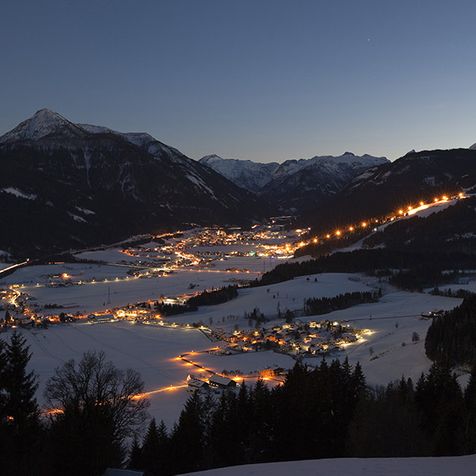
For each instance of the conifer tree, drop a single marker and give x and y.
(470, 423)
(135, 455)
(188, 437)
(20, 422)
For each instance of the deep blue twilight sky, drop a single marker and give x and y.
(258, 79)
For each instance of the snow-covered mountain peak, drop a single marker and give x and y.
(256, 176)
(137, 138)
(244, 173)
(43, 123)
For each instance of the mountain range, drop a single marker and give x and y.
(415, 176)
(295, 186)
(66, 185)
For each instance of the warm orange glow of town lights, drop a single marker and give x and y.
(53, 411)
(408, 210)
(169, 388)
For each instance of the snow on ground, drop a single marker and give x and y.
(4, 265)
(19, 193)
(470, 286)
(147, 349)
(426, 210)
(252, 263)
(443, 466)
(78, 272)
(109, 255)
(393, 321)
(288, 295)
(91, 297)
(245, 363)
(422, 211)
(150, 349)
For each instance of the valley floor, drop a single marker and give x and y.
(386, 354)
(392, 345)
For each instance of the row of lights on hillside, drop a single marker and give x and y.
(365, 224)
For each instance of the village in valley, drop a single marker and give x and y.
(143, 288)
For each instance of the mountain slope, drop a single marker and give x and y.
(65, 185)
(302, 185)
(416, 176)
(245, 173)
(295, 185)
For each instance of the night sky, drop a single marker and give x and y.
(256, 79)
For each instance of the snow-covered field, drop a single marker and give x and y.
(31, 275)
(90, 297)
(388, 353)
(470, 286)
(287, 295)
(245, 363)
(149, 350)
(109, 255)
(444, 466)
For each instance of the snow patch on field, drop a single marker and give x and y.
(85, 211)
(443, 466)
(18, 193)
(77, 217)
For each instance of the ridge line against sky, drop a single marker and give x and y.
(262, 80)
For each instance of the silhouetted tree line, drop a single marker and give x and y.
(325, 412)
(324, 305)
(216, 296)
(421, 277)
(433, 418)
(451, 338)
(308, 416)
(205, 298)
(457, 293)
(377, 261)
(173, 309)
(257, 316)
(94, 411)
